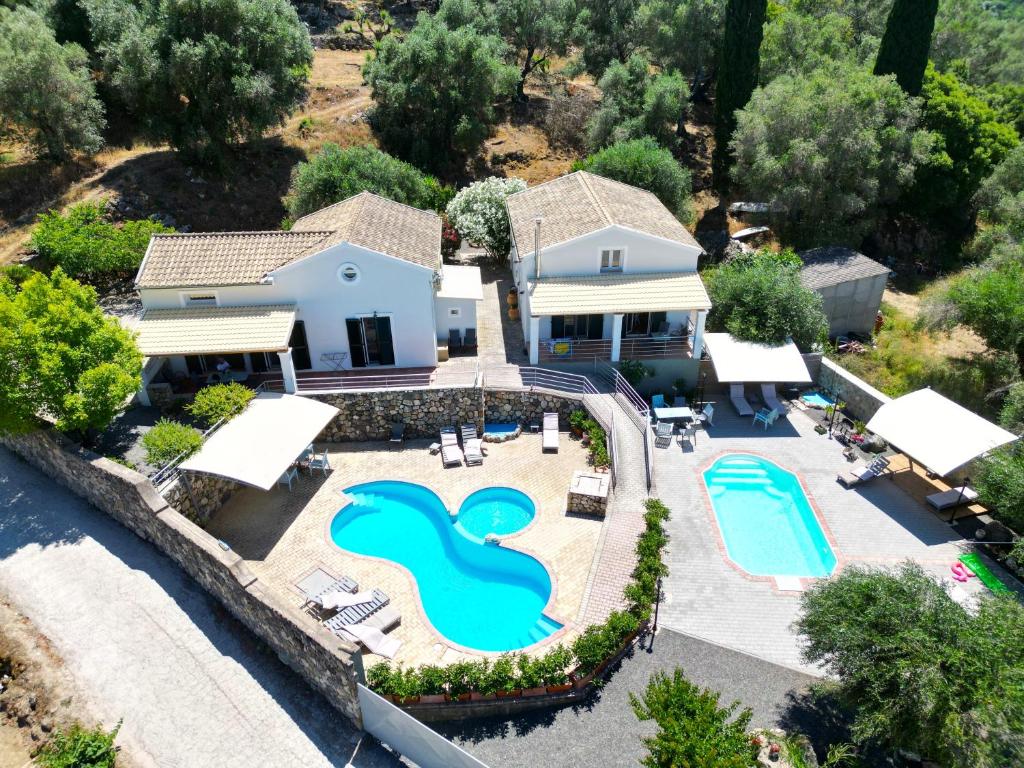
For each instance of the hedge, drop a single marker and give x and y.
(220, 402)
(168, 439)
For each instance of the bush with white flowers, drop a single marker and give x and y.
(478, 213)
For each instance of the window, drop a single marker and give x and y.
(200, 300)
(348, 274)
(577, 326)
(455, 312)
(611, 260)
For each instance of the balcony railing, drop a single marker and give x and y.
(631, 348)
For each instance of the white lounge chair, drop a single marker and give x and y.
(550, 436)
(451, 454)
(863, 473)
(663, 434)
(771, 400)
(339, 598)
(739, 400)
(373, 639)
(472, 445)
(766, 417)
(954, 497)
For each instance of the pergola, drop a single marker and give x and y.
(737, 361)
(259, 444)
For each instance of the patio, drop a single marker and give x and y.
(283, 536)
(877, 524)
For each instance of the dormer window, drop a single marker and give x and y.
(611, 260)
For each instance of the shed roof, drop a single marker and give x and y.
(461, 282)
(833, 264)
(581, 203)
(600, 294)
(212, 330)
(738, 361)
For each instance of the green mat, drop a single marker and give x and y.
(985, 576)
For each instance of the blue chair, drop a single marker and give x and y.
(657, 401)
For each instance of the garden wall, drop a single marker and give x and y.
(862, 400)
(198, 496)
(328, 664)
(528, 406)
(368, 415)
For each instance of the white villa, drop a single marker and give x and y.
(356, 285)
(604, 271)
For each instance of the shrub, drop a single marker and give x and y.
(220, 401)
(1000, 482)
(85, 243)
(167, 439)
(501, 676)
(79, 747)
(566, 120)
(634, 371)
(478, 213)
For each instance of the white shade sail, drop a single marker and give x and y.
(259, 444)
(935, 431)
(738, 361)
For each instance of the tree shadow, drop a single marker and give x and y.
(820, 715)
(28, 187)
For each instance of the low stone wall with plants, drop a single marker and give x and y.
(527, 406)
(516, 681)
(327, 663)
(595, 438)
(369, 415)
(862, 400)
(198, 496)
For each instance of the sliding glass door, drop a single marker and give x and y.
(370, 341)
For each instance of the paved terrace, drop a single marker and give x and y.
(706, 596)
(284, 535)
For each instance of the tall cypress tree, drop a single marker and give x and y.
(737, 75)
(905, 44)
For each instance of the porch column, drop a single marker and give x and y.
(288, 371)
(143, 396)
(534, 339)
(616, 337)
(698, 334)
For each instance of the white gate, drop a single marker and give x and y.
(409, 737)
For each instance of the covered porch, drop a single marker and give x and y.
(616, 317)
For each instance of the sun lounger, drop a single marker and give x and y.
(771, 400)
(397, 432)
(663, 434)
(550, 436)
(739, 400)
(451, 454)
(954, 497)
(706, 418)
(337, 599)
(354, 614)
(472, 445)
(864, 473)
(373, 639)
(320, 583)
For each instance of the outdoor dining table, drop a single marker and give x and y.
(673, 414)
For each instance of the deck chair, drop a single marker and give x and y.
(771, 399)
(451, 454)
(354, 614)
(319, 461)
(954, 497)
(372, 639)
(739, 400)
(454, 339)
(288, 476)
(320, 582)
(397, 432)
(663, 434)
(864, 473)
(471, 338)
(657, 401)
(765, 417)
(550, 436)
(706, 418)
(689, 434)
(472, 445)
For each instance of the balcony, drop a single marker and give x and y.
(632, 348)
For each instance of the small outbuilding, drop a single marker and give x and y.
(850, 285)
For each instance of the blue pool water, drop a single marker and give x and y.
(500, 428)
(477, 595)
(817, 399)
(766, 521)
(496, 510)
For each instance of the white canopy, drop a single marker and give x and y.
(738, 361)
(260, 443)
(935, 431)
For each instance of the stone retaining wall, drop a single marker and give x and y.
(209, 492)
(368, 415)
(529, 405)
(862, 400)
(328, 664)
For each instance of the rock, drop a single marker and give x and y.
(873, 444)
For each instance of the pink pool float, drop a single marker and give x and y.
(960, 571)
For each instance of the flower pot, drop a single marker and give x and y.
(515, 692)
(512, 298)
(432, 698)
(559, 688)
(463, 697)
(513, 313)
(408, 700)
(535, 691)
(474, 696)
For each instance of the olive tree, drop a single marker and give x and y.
(685, 35)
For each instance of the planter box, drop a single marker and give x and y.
(562, 688)
(433, 698)
(407, 700)
(509, 694)
(474, 696)
(535, 691)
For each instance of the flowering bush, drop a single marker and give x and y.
(450, 239)
(478, 213)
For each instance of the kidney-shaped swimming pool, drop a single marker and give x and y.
(477, 595)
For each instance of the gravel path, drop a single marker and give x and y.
(195, 689)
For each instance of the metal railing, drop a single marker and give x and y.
(630, 348)
(440, 378)
(636, 408)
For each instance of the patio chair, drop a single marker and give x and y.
(397, 432)
(307, 454)
(286, 478)
(472, 445)
(470, 342)
(766, 417)
(354, 614)
(451, 454)
(663, 434)
(319, 461)
(550, 436)
(706, 418)
(678, 401)
(689, 434)
(739, 400)
(864, 473)
(657, 401)
(771, 399)
(454, 339)
(952, 498)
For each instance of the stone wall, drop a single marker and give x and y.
(328, 664)
(526, 406)
(368, 415)
(862, 400)
(209, 492)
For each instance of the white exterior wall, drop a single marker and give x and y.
(445, 321)
(386, 285)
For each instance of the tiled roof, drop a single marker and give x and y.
(213, 330)
(381, 225)
(601, 294)
(244, 258)
(832, 265)
(580, 203)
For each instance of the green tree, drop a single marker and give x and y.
(434, 90)
(1012, 414)
(46, 94)
(167, 440)
(759, 297)
(905, 44)
(867, 17)
(826, 150)
(535, 30)
(643, 163)
(981, 39)
(1000, 482)
(86, 244)
(990, 300)
(1000, 203)
(334, 174)
(605, 31)
(737, 76)
(693, 730)
(798, 44)
(636, 103)
(918, 671)
(61, 357)
(684, 35)
(203, 74)
(478, 213)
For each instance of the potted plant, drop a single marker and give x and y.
(513, 313)
(577, 422)
(458, 686)
(381, 678)
(556, 665)
(503, 677)
(478, 680)
(432, 680)
(512, 298)
(407, 686)
(531, 676)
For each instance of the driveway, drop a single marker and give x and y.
(148, 645)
